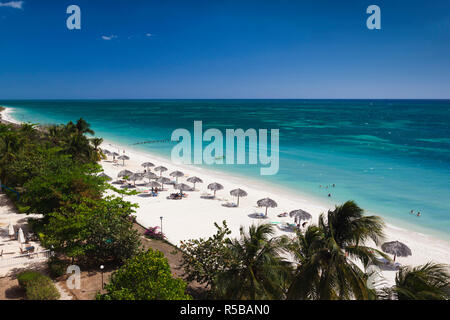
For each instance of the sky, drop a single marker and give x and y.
(224, 49)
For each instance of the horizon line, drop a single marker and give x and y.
(131, 99)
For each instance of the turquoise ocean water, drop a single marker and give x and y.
(389, 156)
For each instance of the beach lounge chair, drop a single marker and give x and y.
(258, 215)
(289, 227)
(27, 250)
(174, 196)
(389, 265)
(229, 205)
(207, 196)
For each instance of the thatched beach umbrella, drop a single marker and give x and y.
(194, 180)
(267, 202)
(20, 236)
(11, 231)
(104, 175)
(136, 177)
(123, 158)
(114, 155)
(161, 169)
(300, 214)
(182, 187)
(396, 248)
(215, 186)
(177, 174)
(238, 193)
(124, 173)
(150, 175)
(147, 165)
(106, 152)
(153, 184)
(163, 181)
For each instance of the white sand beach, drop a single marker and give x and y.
(194, 217)
(5, 115)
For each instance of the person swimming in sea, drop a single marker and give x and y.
(329, 195)
(412, 212)
(418, 214)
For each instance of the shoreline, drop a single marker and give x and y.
(194, 217)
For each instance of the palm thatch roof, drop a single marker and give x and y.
(182, 187)
(160, 168)
(147, 165)
(124, 173)
(266, 202)
(153, 184)
(396, 248)
(163, 180)
(300, 214)
(177, 174)
(194, 180)
(238, 193)
(215, 186)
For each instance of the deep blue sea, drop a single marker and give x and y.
(389, 156)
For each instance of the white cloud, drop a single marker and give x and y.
(12, 4)
(109, 37)
(148, 34)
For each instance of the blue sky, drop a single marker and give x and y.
(224, 49)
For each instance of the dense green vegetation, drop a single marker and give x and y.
(55, 170)
(426, 282)
(37, 286)
(146, 276)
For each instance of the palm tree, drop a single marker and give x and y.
(327, 254)
(56, 133)
(323, 271)
(83, 127)
(96, 142)
(349, 229)
(78, 146)
(426, 282)
(258, 271)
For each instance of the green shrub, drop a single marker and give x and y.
(57, 267)
(37, 286)
(146, 276)
(25, 277)
(42, 288)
